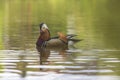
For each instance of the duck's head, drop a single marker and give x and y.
(43, 27)
(44, 32)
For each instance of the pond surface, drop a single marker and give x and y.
(97, 57)
(59, 65)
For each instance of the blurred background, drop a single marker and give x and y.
(95, 21)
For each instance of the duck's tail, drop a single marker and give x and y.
(72, 40)
(69, 36)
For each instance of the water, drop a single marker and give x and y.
(63, 65)
(95, 58)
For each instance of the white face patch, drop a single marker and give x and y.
(44, 27)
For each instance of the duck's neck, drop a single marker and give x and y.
(44, 36)
(40, 42)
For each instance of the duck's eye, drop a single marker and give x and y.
(43, 28)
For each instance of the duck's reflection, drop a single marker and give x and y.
(44, 54)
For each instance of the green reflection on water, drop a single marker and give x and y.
(97, 22)
(1, 24)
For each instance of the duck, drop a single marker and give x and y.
(60, 41)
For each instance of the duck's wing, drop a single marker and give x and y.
(68, 36)
(56, 44)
